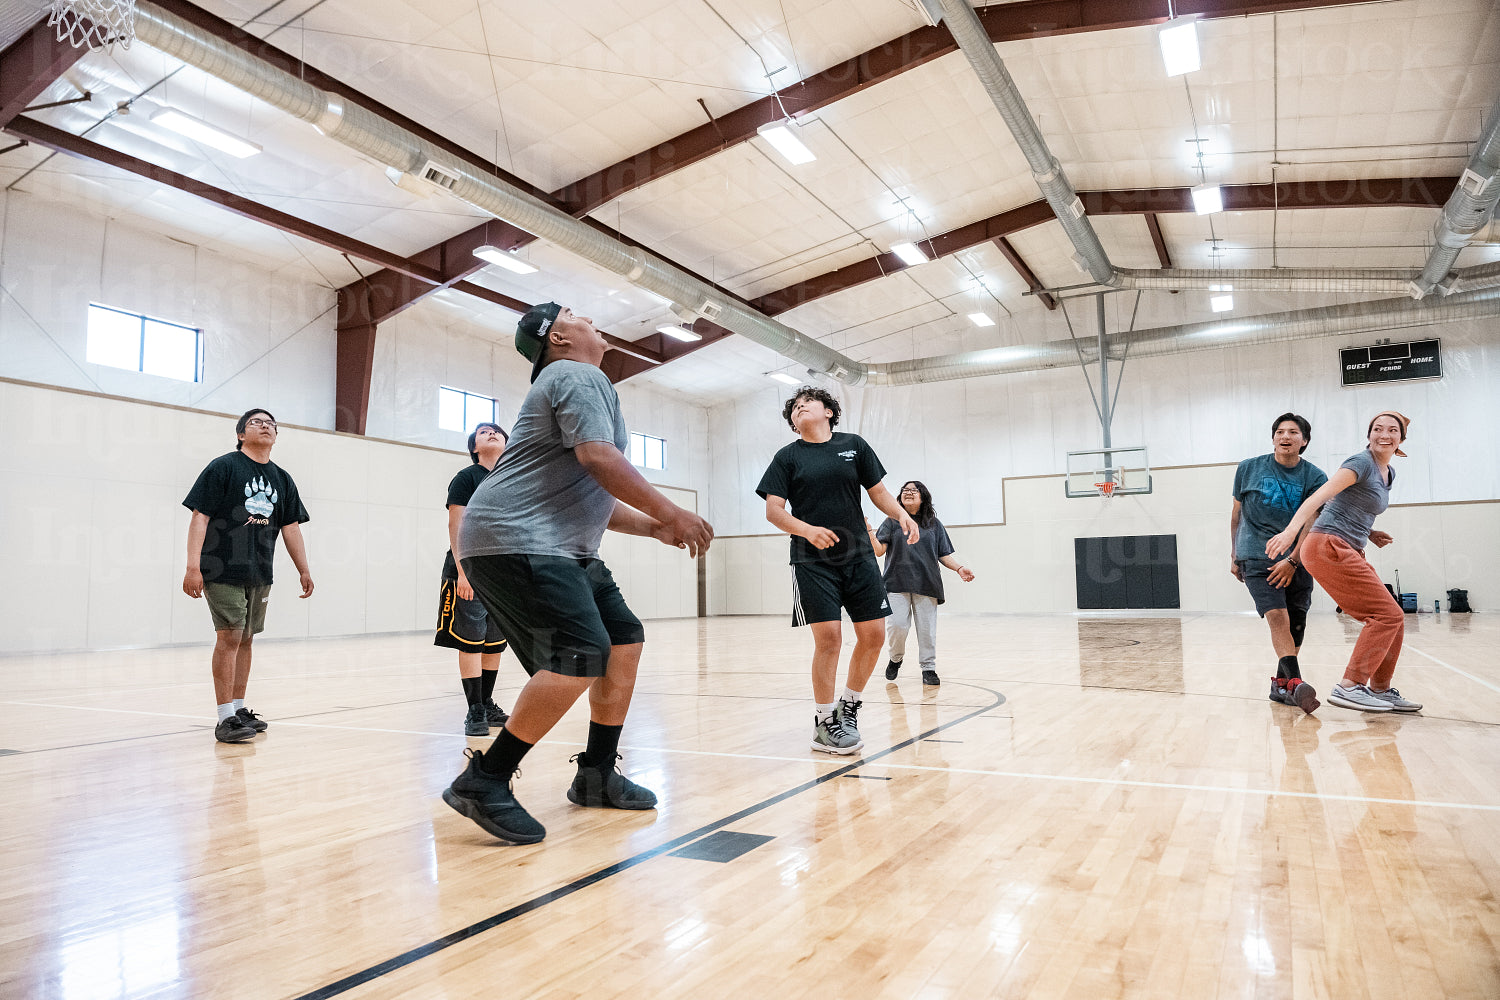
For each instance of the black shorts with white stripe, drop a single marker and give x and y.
(819, 590)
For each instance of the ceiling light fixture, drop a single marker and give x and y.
(980, 319)
(784, 377)
(1221, 303)
(1179, 48)
(1208, 199)
(780, 135)
(681, 333)
(498, 257)
(910, 253)
(201, 131)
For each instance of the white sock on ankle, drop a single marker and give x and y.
(226, 710)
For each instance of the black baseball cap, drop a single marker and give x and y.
(531, 334)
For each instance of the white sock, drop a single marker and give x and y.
(226, 710)
(824, 711)
(238, 704)
(852, 696)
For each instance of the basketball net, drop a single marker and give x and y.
(1106, 490)
(95, 24)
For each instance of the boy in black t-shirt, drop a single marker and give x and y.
(241, 502)
(463, 623)
(820, 475)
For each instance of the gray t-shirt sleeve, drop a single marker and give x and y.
(584, 404)
(886, 531)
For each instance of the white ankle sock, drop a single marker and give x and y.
(824, 711)
(852, 696)
(238, 704)
(226, 710)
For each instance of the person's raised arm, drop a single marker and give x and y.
(1341, 481)
(192, 580)
(882, 499)
(613, 471)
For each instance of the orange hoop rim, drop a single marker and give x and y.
(1106, 490)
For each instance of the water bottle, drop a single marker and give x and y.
(1437, 607)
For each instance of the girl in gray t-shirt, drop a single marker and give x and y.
(1333, 553)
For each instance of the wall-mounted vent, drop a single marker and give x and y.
(435, 173)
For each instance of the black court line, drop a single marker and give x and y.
(941, 741)
(869, 777)
(537, 902)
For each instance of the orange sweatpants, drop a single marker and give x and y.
(1349, 579)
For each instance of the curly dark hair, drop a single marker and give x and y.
(812, 392)
(925, 515)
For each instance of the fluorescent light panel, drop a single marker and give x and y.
(1221, 303)
(980, 319)
(785, 142)
(784, 377)
(679, 333)
(498, 257)
(909, 253)
(1208, 199)
(201, 131)
(1179, 48)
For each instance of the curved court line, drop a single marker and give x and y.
(552, 896)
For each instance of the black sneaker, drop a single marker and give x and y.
(233, 730)
(892, 669)
(609, 789)
(252, 720)
(477, 722)
(494, 713)
(930, 678)
(488, 801)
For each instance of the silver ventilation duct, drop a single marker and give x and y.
(1468, 209)
(367, 133)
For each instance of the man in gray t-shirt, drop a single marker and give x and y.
(529, 545)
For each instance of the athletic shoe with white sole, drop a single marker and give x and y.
(847, 714)
(831, 737)
(1397, 703)
(1359, 698)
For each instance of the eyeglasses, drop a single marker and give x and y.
(915, 493)
(260, 422)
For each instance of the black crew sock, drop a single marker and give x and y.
(504, 755)
(604, 744)
(487, 684)
(472, 690)
(1287, 668)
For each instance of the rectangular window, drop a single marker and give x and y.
(139, 343)
(647, 452)
(460, 411)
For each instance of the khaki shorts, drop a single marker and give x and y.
(237, 606)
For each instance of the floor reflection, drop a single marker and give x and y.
(1136, 654)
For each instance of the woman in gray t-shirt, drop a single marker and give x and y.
(1333, 552)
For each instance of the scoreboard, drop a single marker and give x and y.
(1391, 362)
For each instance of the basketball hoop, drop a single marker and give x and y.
(94, 24)
(1106, 490)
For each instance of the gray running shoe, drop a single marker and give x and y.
(1359, 698)
(233, 730)
(252, 720)
(847, 714)
(476, 723)
(1397, 703)
(831, 737)
(488, 801)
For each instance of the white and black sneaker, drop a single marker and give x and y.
(847, 714)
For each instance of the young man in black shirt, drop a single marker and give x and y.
(462, 622)
(241, 502)
(820, 475)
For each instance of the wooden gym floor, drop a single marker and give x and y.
(1088, 807)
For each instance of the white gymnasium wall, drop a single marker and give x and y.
(965, 439)
(93, 533)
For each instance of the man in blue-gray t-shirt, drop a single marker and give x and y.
(1268, 489)
(529, 545)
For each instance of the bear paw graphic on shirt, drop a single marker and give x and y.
(260, 498)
